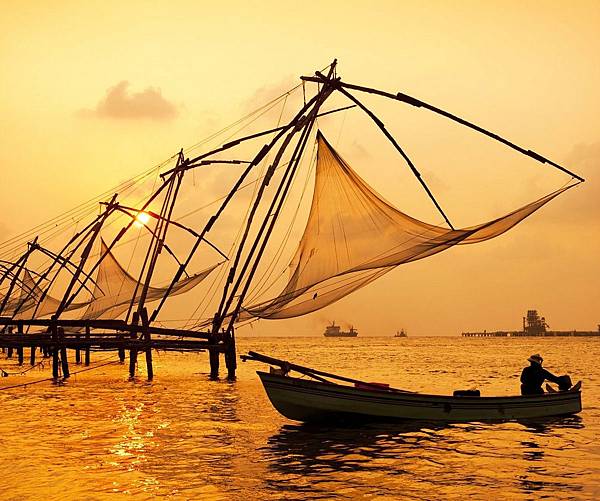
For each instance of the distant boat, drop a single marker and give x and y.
(335, 331)
(402, 333)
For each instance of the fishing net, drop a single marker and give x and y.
(30, 303)
(353, 236)
(115, 288)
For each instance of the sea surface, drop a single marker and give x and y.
(101, 436)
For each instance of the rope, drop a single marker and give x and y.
(21, 385)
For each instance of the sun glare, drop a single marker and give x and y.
(141, 219)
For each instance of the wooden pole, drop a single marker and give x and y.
(257, 159)
(230, 357)
(78, 351)
(87, 346)
(121, 351)
(64, 361)
(9, 350)
(148, 340)
(133, 351)
(20, 348)
(213, 359)
(32, 356)
(407, 159)
(54, 335)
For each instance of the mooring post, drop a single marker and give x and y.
(230, 356)
(213, 359)
(20, 347)
(132, 351)
(148, 341)
(63, 353)
(78, 350)
(121, 349)
(87, 346)
(54, 347)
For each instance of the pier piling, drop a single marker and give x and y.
(87, 346)
(20, 348)
(213, 359)
(230, 358)
(148, 341)
(78, 351)
(57, 336)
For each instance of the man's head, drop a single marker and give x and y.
(536, 359)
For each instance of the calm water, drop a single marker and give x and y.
(185, 437)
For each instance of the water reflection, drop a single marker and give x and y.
(176, 436)
(548, 426)
(537, 476)
(325, 458)
(419, 456)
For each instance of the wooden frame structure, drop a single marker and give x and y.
(135, 333)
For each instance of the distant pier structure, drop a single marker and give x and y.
(533, 325)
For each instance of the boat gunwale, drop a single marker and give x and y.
(386, 395)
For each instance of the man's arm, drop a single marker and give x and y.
(551, 377)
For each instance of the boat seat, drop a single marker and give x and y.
(466, 393)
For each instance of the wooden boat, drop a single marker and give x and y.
(320, 400)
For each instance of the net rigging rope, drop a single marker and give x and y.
(220, 275)
(13, 243)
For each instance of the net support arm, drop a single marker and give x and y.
(391, 138)
(262, 153)
(198, 161)
(125, 209)
(405, 98)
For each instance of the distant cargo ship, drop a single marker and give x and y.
(335, 331)
(402, 333)
(533, 325)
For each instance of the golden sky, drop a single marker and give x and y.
(94, 93)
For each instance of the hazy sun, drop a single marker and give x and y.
(141, 220)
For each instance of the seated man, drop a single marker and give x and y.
(533, 376)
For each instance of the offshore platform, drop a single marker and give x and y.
(533, 325)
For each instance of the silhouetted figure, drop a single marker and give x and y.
(533, 376)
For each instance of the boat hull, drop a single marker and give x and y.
(305, 400)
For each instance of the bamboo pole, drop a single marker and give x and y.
(133, 351)
(257, 159)
(148, 341)
(54, 331)
(87, 346)
(422, 104)
(276, 205)
(20, 348)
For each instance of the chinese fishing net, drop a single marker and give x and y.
(353, 236)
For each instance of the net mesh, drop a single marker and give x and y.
(115, 288)
(353, 236)
(34, 306)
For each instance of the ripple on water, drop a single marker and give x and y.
(188, 438)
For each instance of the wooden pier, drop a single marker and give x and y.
(534, 326)
(54, 337)
(527, 334)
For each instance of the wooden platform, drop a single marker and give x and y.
(54, 337)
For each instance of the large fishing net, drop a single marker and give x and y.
(33, 303)
(115, 288)
(353, 236)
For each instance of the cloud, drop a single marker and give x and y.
(269, 92)
(120, 103)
